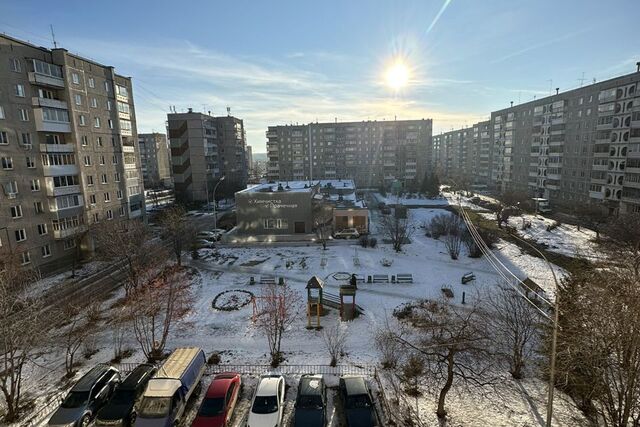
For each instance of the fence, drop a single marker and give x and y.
(246, 369)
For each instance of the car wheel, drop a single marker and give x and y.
(84, 422)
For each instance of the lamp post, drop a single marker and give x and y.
(554, 336)
(215, 218)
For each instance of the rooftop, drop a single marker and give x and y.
(301, 186)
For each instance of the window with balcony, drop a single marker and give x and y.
(66, 202)
(123, 107)
(47, 69)
(58, 159)
(65, 181)
(55, 115)
(122, 91)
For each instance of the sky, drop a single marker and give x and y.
(282, 62)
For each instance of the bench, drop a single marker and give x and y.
(468, 277)
(267, 280)
(359, 278)
(404, 278)
(380, 278)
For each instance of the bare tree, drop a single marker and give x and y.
(177, 229)
(120, 323)
(156, 306)
(599, 344)
(623, 238)
(127, 242)
(334, 339)
(397, 228)
(20, 330)
(454, 344)
(514, 322)
(278, 308)
(322, 222)
(387, 345)
(72, 336)
(453, 235)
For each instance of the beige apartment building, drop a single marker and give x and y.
(155, 160)
(372, 153)
(580, 146)
(68, 154)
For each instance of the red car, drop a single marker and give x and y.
(219, 401)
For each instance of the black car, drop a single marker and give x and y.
(86, 397)
(311, 402)
(120, 410)
(357, 402)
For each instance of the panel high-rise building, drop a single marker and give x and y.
(67, 151)
(579, 146)
(372, 153)
(155, 159)
(205, 148)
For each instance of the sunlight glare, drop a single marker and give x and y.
(397, 75)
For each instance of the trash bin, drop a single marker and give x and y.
(252, 280)
(393, 278)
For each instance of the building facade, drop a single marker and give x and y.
(372, 153)
(67, 150)
(155, 160)
(205, 148)
(579, 146)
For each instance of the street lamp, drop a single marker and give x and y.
(215, 218)
(554, 336)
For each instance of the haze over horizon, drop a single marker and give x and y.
(450, 60)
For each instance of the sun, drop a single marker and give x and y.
(397, 75)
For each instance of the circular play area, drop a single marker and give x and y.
(233, 299)
(341, 276)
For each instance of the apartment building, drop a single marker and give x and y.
(155, 160)
(579, 146)
(205, 148)
(371, 153)
(68, 153)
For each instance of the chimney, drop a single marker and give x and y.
(557, 90)
(190, 110)
(512, 103)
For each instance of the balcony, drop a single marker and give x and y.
(596, 195)
(61, 191)
(57, 148)
(49, 126)
(128, 149)
(45, 80)
(46, 102)
(123, 115)
(58, 170)
(135, 214)
(69, 232)
(126, 132)
(272, 134)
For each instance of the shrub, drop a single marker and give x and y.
(364, 241)
(373, 242)
(214, 359)
(438, 225)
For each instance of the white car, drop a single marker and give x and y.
(267, 405)
(347, 233)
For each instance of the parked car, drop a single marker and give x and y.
(120, 410)
(213, 235)
(347, 233)
(219, 401)
(205, 243)
(311, 402)
(168, 392)
(86, 397)
(268, 402)
(357, 402)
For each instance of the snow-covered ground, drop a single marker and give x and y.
(234, 336)
(416, 200)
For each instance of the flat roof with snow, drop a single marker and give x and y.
(302, 186)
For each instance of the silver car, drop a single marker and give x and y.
(85, 398)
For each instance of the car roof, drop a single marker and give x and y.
(89, 379)
(310, 385)
(355, 385)
(268, 385)
(135, 376)
(220, 385)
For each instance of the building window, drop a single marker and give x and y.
(110, 122)
(122, 211)
(109, 214)
(275, 224)
(92, 82)
(94, 103)
(102, 160)
(119, 194)
(31, 162)
(78, 99)
(2, 116)
(103, 178)
(21, 235)
(16, 211)
(38, 208)
(75, 78)
(85, 140)
(96, 122)
(11, 189)
(42, 229)
(46, 251)
(89, 180)
(15, 65)
(4, 138)
(69, 244)
(87, 160)
(35, 185)
(7, 163)
(25, 258)
(20, 90)
(109, 105)
(24, 114)
(83, 120)
(107, 197)
(26, 139)
(116, 177)
(114, 159)
(99, 141)
(96, 217)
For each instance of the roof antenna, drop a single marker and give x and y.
(53, 36)
(229, 111)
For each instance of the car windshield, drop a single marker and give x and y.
(154, 407)
(75, 399)
(309, 402)
(265, 405)
(358, 401)
(123, 396)
(211, 407)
